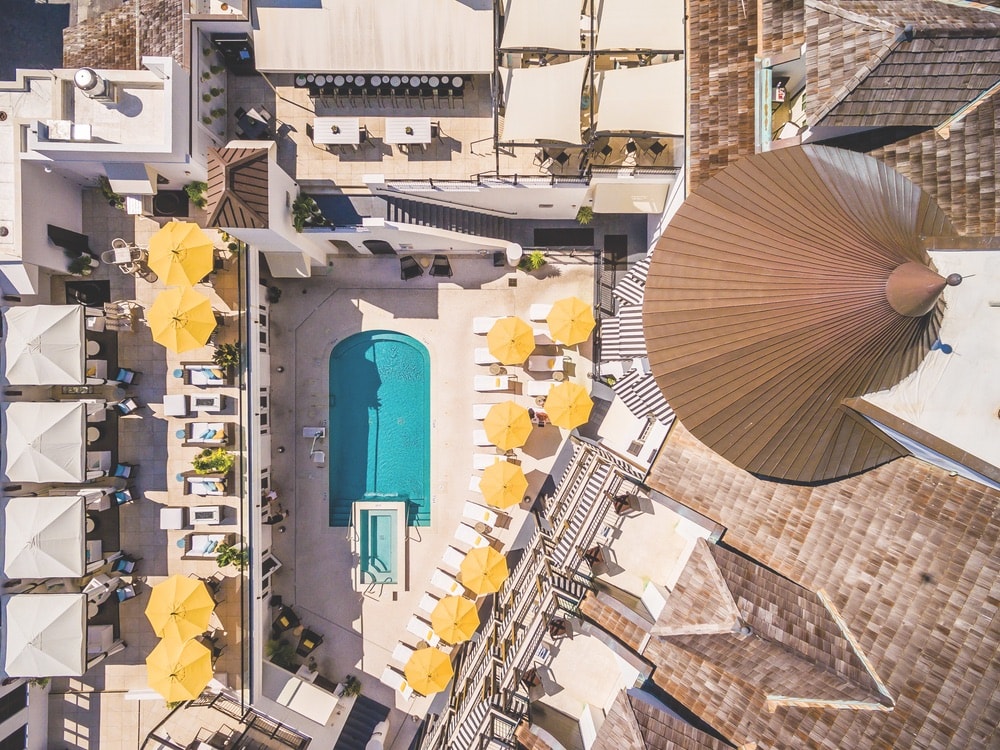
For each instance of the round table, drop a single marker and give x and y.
(321, 80)
(300, 80)
(310, 78)
(349, 79)
(376, 80)
(395, 81)
(338, 80)
(496, 369)
(359, 80)
(93, 348)
(456, 82)
(423, 79)
(434, 81)
(558, 376)
(93, 434)
(92, 610)
(445, 79)
(90, 524)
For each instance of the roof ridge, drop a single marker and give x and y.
(708, 590)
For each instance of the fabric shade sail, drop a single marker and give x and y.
(543, 103)
(43, 537)
(647, 100)
(45, 635)
(43, 345)
(641, 25)
(44, 441)
(550, 25)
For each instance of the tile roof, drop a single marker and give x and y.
(636, 721)
(626, 625)
(908, 555)
(115, 40)
(237, 188)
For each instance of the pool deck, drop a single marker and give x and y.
(311, 318)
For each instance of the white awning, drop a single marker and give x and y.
(627, 196)
(44, 441)
(388, 36)
(648, 100)
(43, 345)
(45, 635)
(641, 25)
(131, 178)
(43, 537)
(543, 103)
(548, 25)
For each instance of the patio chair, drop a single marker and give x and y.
(446, 583)
(124, 470)
(123, 564)
(396, 680)
(657, 148)
(239, 112)
(427, 603)
(452, 558)
(126, 592)
(286, 620)
(264, 114)
(482, 325)
(123, 496)
(128, 406)
(309, 641)
(409, 268)
(126, 375)
(441, 266)
(422, 630)
(468, 535)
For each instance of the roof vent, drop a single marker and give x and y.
(93, 85)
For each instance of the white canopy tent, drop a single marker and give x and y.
(43, 537)
(543, 104)
(45, 635)
(640, 25)
(44, 345)
(549, 25)
(44, 441)
(646, 100)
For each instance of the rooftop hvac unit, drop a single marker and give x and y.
(93, 86)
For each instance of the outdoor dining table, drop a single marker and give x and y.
(337, 130)
(252, 124)
(403, 130)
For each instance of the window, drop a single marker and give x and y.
(13, 702)
(17, 740)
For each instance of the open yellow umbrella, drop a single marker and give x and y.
(483, 570)
(179, 670)
(181, 319)
(428, 670)
(571, 320)
(180, 253)
(455, 619)
(511, 340)
(507, 425)
(503, 484)
(179, 607)
(568, 405)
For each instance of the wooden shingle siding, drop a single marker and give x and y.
(637, 722)
(117, 39)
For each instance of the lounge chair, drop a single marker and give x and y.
(446, 583)
(423, 630)
(126, 376)
(542, 337)
(396, 680)
(538, 387)
(479, 438)
(286, 620)
(207, 434)
(544, 363)
(468, 535)
(539, 312)
(479, 411)
(452, 558)
(128, 406)
(427, 603)
(441, 266)
(482, 326)
(483, 356)
(402, 653)
(409, 268)
(485, 383)
(479, 514)
(474, 483)
(482, 461)
(309, 641)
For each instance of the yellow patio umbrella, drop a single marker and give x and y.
(181, 319)
(503, 484)
(568, 405)
(511, 340)
(507, 425)
(571, 320)
(455, 619)
(179, 670)
(180, 253)
(179, 607)
(483, 570)
(428, 670)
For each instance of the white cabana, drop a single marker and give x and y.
(549, 25)
(647, 100)
(44, 441)
(45, 635)
(388, 36)
(543, 103)
(44, 345)
(43, 537)
(629, 196)
(640, 25)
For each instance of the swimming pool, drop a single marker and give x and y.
(379, 426)
(378, 528)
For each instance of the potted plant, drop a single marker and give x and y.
(585, 215)
(104, 185)
(227, 356)
(196, 193)
(214, 461)
(82, 265)
(306, 213)
(532, 261)
(280, 653)
(352, 686)
(230, 554)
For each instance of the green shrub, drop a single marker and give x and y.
(80, 266)
(104, 185)
(306, 213)
(206, 97)
(585, 215)
(352, 686)
(196, 193)
(281, 653)
(532, 261)
(227, 356)
(229, 554)
(214, 461)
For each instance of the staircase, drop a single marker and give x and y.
(470, 730)
(569, 538)
(365, 714)
(460, 220)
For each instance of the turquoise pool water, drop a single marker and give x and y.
(379, 427)
(378, 545)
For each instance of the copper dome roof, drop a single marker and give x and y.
(767, 304)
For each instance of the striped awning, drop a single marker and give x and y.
(640, 393)
(622, 337)
(632, 287)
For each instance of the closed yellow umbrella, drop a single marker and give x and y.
(483, 570)
(571, 320)
(179, 607)
(179, 670)
(507, 425)
(181, 254)
(503, 484)
(428, 670)
(455, 619)
(568, 405)
(181, 319)
(511, 340)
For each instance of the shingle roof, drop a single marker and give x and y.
(766, 305)
(237, 188)
(911, 559)
(636, 722)
(117, 39)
